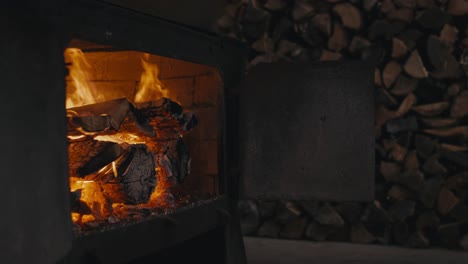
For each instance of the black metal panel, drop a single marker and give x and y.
(127, 243)
(306, 131)
(123, 28)
(35, 224)
(200, 14)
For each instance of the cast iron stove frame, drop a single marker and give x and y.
(106, 24)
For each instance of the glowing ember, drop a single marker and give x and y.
(93, 197)
(121, 138)
(76, 137)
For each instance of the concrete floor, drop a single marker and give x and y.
(273, 251)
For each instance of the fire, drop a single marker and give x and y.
(99, 194)
(92, 195)
(79, 90)
(161, 196)
(94, 203)
(150, 87)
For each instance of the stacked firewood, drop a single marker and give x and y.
(421, 128)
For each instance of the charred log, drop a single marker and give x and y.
(161, 108)
(170, 110)
(182, 161)
(88, 156)
(100, 116)
(134, 177)
(175, 160)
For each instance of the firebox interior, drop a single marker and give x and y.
(115, 100)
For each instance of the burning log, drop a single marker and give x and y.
(175, 160)
(133, 176)
(99, 117)
(163, 107)
(116, 160)
(88, 156)
(181, 161)
(168, 109)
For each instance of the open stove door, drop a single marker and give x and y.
(307, 131)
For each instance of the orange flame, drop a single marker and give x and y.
(92, 195)
(150, 87)
(79, 91)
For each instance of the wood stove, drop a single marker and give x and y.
(156, 178)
